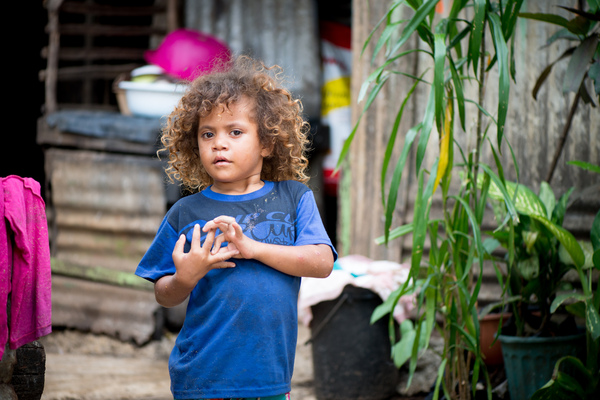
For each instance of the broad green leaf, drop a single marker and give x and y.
(414, 22)
(585, 165)
(594, 74)
(387, 307)
(440, 376)
(546, 72)
(421, 215)
(396, 179)
(547, 197)
(560, 209)
(389, 29)
(567, 383)
(350, 137)
(474, 228)
(503, 74)
(392, 140)
(368, 40)
(446, 144)
(579, 63)
(579, 25)
(592, 320)
(509, 17)
(565, 238)
(529, 268)
(524, 199)
(476, 33)
(577, 309)
(594, 5)
(402, 351)
(426, 127)
(503, 192)
(395, 233)
(439, 55)
(588, 252)
(561, 298)
(550, 18)
(458, 88)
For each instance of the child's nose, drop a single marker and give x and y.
(220, 141)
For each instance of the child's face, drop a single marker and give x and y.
(230, 149)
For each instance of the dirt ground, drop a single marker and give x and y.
(83, 366)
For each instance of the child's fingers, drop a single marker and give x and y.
(217, 244)
(196, 237)
(209, 240)
(220, 258)
(178, 249)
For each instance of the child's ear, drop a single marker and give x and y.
(266, 151)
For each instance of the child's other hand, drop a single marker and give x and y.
(194, 265)
(232, 234)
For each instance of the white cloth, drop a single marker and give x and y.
(381, 277)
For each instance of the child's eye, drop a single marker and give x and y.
(236, 132)
(207, 135)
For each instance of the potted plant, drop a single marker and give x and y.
(539, 253)
(443, 277)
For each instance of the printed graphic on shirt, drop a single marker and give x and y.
(267, 227)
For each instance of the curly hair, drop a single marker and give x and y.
(281, 126)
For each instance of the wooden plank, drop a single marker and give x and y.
(111, 11)
(55, 137)
(101, 275)
(97, 53)
(89, 71)
(109, 30)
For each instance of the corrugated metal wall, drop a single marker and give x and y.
(282, 32)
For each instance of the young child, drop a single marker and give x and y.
(239, 246)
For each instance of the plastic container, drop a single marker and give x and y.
(151, 99)
(187, 53)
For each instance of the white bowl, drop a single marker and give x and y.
(152, 99)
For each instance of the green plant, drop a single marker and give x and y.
(539, 254)
(583, 69)
(444, 280)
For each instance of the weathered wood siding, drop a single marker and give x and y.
(103, 214)
(533, 128)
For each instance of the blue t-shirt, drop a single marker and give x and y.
(240, 330)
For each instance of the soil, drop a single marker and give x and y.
(84, 366)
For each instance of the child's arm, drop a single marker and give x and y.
(309, 260)
(171, 290)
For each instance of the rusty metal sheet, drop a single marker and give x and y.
(121, 312)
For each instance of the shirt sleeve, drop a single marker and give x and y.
(309, 225)
(158, 260)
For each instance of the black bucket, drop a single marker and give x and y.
(351, 357)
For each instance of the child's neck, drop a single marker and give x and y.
(237, 188)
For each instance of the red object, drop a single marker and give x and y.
(330, 182)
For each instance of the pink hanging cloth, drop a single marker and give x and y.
(25, 272)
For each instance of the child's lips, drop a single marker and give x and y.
(221, 161)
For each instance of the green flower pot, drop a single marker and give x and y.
(529, 361)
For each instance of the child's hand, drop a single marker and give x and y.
(232, 234)
(194, 265)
